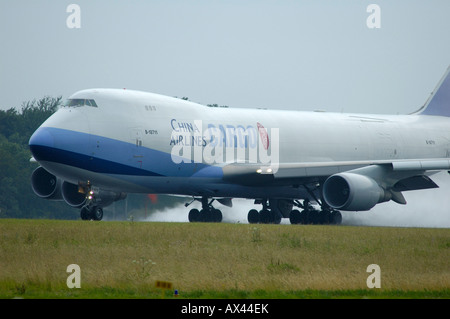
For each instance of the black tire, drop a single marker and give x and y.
(276, 219)
(336, 217)
(295, 217)
(85, 214)
(304, 217)
(322, 217)
(326, 217)
(253, 216)
(265, 216)
(217, 215)
(314, 217)
(97, 213)
(206, 215)
(194, 215)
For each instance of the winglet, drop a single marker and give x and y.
(439, 101)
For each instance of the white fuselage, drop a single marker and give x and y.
(142, 142)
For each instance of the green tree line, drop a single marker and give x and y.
(17, 199)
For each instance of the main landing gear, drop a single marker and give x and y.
(273, 211)
(310, 215)
(207, 214)
(264, 216)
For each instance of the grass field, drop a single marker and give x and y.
(124, 259)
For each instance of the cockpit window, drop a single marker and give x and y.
(80, 102)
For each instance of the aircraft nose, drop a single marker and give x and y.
(41, 144)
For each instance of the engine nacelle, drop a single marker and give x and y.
(72, 196)
(45, 184)
(353, 192)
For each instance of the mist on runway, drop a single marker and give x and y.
(424, 208)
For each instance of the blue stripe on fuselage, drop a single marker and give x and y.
(109, 156)
(93, 164)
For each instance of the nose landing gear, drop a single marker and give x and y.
(89, 212)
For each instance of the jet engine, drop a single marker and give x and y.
(353, 192)
(72, 196)
(47, 185)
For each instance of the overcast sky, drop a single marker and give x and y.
(302, 55)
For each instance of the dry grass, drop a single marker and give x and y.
(131, 255)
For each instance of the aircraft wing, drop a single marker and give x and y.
(401, 175)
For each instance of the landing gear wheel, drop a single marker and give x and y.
(85, 213)
(97, 213)
(253, 216)
(276, 219)
(211, 215)
(194, 215)
(207, 215)
(91, 212)
(265, 216)
(295, 217)
(306, 217)
(322, 217)
(336, 217)
(303, 217)
(217, 215)
(325, 216)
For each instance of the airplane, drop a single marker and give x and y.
(303, 165)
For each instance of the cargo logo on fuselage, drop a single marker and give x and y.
(223, 143)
